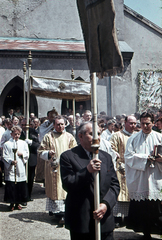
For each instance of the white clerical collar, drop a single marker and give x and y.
(108, 131)
(126, 132)
(58, 132)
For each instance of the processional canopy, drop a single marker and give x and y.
(60, 88)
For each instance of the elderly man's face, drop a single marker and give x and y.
(36, 122)
(23, 125)
(70, 119)
(59, 125)
(86, 139)
(87, 116)
(130, 124)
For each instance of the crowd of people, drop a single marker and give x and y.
(58, 152)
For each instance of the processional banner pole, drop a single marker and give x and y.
(95, 147)
(104, 57)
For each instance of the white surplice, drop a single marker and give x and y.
(8, 157)
(106, 134)
(143, 181)
(106, 146)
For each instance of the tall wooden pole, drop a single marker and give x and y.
(95, 147)
(28, 94)
(74, 126)
(24, 70)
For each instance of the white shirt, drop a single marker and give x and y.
(2, 130)
(106, 146)
(143, 182)
(5, 137)
(106, 134)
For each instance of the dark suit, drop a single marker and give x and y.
(78, 183)
(69, 129)
(10, 116)
(32, 162)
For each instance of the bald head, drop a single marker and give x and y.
(130, 123)
(70, 119)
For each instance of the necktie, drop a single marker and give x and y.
(90, 155)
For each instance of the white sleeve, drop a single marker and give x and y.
(133, 159)
(44, 155)
(7, 156)
(25, 152)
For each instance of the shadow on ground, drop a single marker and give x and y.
(4, 208)
(30, 217)
(37, 193)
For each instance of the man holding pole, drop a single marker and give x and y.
(77, 173)
(103, 56)
(15, 155)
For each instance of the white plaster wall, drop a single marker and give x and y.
(121, 97)
(102, 95)
(57, 19)
(147, 46)
(53, 19)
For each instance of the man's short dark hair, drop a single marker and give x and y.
(52, 111)
(23, 120)
(147, 114)
(58, 117)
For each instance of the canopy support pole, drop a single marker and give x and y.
(28, 94)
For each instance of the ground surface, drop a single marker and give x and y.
(34, 223)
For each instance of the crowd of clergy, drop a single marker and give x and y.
(134, 143)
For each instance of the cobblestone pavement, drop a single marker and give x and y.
(33, 222)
